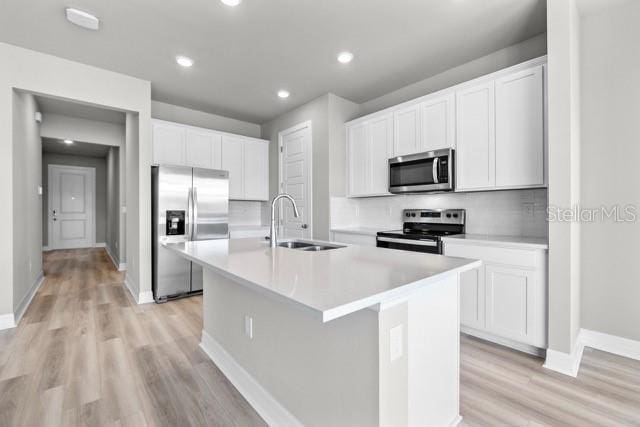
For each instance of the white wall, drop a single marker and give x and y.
(23, 69)
(495, 212)
(24, 205)
(96, 132)
(564, 172)
(112, 232)
(100, 166)
(504, 58)
(175, 113)
(133, 216)
(610, 67)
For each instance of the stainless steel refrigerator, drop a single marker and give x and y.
(187, 204)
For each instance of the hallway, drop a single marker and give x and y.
(93, 357)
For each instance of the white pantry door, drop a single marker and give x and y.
(71, 207)
(295, 179)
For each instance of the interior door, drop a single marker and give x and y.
(71, 207)
(295, 179)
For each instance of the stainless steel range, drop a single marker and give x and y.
(422, 230)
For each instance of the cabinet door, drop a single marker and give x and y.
(511, 303)
(256, 170)
(358, 155)
(406, 125)
(520, 129)
(168, 144)
(438, 123)
(475, 133)
(380, 137)
(232, 161)
(201, 147)
(472, 298)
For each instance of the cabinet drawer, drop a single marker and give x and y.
(507, 256)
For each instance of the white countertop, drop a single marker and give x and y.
(502, 241)
(330, 283)
(365, 231)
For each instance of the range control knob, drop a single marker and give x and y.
(448, 215)
(407, 214)
(413, 214)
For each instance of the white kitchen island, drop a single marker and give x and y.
(354, 336)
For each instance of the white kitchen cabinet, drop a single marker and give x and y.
(472, 298)
(406, 125)
(203, 149)
(511, 302)
(358, 159)
(475, 137)
(368, 152)
(256, 170)
(504, 300)
(520, 129)
(233, 161)
(168, 143)
(438, 123)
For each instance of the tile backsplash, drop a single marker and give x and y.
(245, 212)
(511, 212)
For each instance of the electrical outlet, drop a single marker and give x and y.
(528, 208)
(395, 343)
(248, 326)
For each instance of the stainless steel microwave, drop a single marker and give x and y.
(422, 172)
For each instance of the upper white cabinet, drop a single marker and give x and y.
(520, 129)
(246, 159)
(168, 143)
(438, 123)
(256, 170)
(475, 145)
(202, 149)
(495, 123)
(368, 151)
(406, 124)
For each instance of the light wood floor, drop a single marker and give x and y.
(85, 354)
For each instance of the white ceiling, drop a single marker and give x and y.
(79, 110)
(243, 55)
(52, 145)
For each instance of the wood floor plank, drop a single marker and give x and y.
(84, 354)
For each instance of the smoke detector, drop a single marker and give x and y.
(82, 19)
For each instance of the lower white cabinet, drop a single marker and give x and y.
(504, 300)
(353, 238)
(246, 159)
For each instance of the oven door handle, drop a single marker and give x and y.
(435, 170)
(408, 241)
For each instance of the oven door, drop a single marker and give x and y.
(426, 246)
(430, 171)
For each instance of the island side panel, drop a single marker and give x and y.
(321, 373)
(419, 348)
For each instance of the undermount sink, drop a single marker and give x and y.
(308, 246)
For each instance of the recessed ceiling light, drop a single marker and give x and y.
(283, 93)
(345, 57)
(231, 2)
(82, 18)
(184, 61)
(68, 141)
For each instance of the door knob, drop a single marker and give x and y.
(305, 226)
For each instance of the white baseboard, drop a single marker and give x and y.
(26, 300)
(145, 297)
(565, 363)
(128, 284)
(611, 344)
(260, 399)
(7, 321)
(122, 266)
(525, 348)
(45, 248)
(100, 245)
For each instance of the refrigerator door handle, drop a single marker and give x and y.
(189, 215)
(195, 213)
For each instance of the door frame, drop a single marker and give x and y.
(92, 171)
(309, 155)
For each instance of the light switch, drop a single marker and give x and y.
(39, 190)
(395, 343)
(248, 326)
